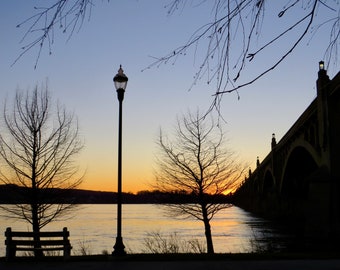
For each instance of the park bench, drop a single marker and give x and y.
(49, 241)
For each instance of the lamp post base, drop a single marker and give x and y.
(118, 248)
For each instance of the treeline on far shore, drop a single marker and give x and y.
(12, 194)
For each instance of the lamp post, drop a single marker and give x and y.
(120, 81)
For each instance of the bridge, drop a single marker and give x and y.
(299, 180)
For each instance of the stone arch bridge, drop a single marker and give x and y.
(299, 180)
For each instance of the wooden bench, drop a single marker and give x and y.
(49, 241)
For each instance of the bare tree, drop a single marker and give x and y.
(65, 15)
(198, 163)
(232, 39)
(37, 150)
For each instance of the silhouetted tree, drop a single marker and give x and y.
(197, 162)
(37, 150)
(232, 39)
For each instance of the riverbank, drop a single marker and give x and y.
(181, 261)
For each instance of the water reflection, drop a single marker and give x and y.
(93, 226)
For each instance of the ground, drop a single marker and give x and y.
(185, 262)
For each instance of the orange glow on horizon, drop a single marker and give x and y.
(132, 182)
(229, 191)
(111, 186)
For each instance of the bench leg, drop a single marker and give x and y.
(10, 252)
(67, 252)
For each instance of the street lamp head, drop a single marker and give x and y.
(120, 80)
(322, 74)
(321, 65)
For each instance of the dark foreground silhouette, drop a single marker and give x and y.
(185, 262)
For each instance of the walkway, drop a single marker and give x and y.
(331, 264)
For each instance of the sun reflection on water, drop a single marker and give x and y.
(94, 226)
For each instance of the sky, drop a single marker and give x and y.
(79, 73)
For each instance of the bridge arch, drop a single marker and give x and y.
(313, 152)
(299, 165)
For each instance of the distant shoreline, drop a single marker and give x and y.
(12, 194)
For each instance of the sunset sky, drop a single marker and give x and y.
(80, 70)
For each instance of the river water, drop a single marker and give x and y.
(93, 229)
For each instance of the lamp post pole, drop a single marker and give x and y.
(120, 81)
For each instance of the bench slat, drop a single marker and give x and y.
(41, 234)
(43, 249)
(42, 242)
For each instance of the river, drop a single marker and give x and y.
(93, 229)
